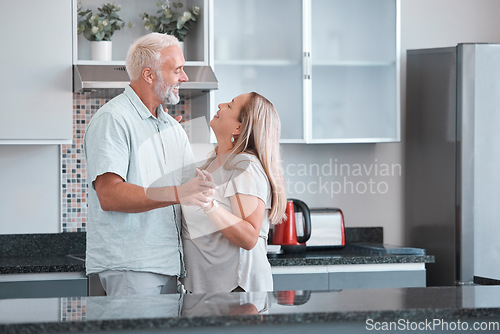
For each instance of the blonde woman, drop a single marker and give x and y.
(225, 242)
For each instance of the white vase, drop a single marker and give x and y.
(101, 50)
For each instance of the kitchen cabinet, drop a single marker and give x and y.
(313, 278)
(43, 285)
(355, 276)
(330, 67)
(36, 66)
(377, 276)
(262, 51)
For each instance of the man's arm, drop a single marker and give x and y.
(117, 195)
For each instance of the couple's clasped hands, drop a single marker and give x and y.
(198, 191)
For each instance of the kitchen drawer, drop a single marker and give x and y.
(313, 278)
(373, 276)
(376, 279)
(44, 285)
(350, 276)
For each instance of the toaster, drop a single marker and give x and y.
(327, 228)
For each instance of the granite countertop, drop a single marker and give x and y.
(64, 252)
(345, 311)
(69, 263)
(350, 254)
(41, 253)
(35, 265)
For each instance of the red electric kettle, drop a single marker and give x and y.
(285, 233)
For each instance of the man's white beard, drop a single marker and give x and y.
(166, 92)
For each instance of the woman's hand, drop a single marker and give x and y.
(198, 191)
(205, 175)
(177, 118)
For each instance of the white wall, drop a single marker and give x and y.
(29, 189)
(363, 180)
(442, 23)
(424, 24)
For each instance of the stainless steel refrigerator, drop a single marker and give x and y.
(452, 161)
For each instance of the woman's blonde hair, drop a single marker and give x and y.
(260, 136)
(145, 52)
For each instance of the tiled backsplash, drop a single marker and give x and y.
(73, 309)
(73, 170)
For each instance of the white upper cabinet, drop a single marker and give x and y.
(330, 67)
(36, 64)
(258, 47)
(355, 74)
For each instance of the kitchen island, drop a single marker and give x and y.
(468, 309)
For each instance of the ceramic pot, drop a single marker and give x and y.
(101, 50)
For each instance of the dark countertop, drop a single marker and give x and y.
(41, 253)
(345, 311)
(32, 253)
(346, 255)
(46, 264)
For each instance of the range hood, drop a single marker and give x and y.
(201, 78)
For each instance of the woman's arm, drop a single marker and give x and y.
(243, 227)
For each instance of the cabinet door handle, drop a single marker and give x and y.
(307, 65)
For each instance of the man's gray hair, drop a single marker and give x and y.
(145, 52)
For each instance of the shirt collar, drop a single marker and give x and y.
(141, 109)
(162, 114)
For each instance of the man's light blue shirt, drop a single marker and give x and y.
(124, 138)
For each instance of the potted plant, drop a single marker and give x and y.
(99, 28)
(172, 19)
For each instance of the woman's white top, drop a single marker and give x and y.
(213, 263)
